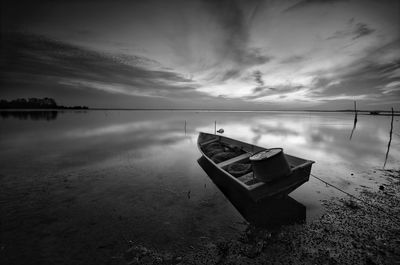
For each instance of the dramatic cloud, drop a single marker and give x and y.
(309, 3)
(288, 54)
(235, 18)
(391, 88)
(233, 21)
(365, 78)
(40, 57)
(354, 31)
(284, 93)
(258, 78)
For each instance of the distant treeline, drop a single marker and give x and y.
(34, 103)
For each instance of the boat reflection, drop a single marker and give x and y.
(266, 213)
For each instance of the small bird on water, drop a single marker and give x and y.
(220, 131)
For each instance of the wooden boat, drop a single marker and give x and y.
(230, 161)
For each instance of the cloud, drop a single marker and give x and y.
(366, 77)
(308, 3)
(265, 92)
(293, 59)
(354, 31)
(359, 81)
(37, 66)
(258, 78)
(235, 18)
(250, 57)
(361, 30)
(229, 74)
(69, 65)
(391, 87)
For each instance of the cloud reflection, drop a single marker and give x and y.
(319, 137)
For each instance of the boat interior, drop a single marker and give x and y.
(233, 157)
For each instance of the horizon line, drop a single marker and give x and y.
(211, 109)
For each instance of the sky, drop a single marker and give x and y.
(250, 54)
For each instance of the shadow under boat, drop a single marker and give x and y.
(270, 212)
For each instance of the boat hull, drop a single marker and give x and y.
(247, 185)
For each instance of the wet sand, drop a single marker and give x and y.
(350, 232)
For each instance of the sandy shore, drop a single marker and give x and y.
(350, 232)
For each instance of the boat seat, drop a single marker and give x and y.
(209, 141)
(234, 160)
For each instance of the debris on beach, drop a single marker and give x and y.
(138, 254)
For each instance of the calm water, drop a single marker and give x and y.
(76, 186)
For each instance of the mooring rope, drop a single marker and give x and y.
(390, 215)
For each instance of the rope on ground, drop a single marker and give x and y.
(394, 219)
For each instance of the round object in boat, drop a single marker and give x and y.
(239, 169)
(270, 164)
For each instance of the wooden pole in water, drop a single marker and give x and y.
(390, 140)
(355, 110)
(185, 127)
(355, 120)
(215, 127)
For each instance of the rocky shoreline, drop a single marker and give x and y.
(350, 232)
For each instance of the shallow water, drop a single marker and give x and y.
(76, 186)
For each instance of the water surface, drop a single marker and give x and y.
(77, 186)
